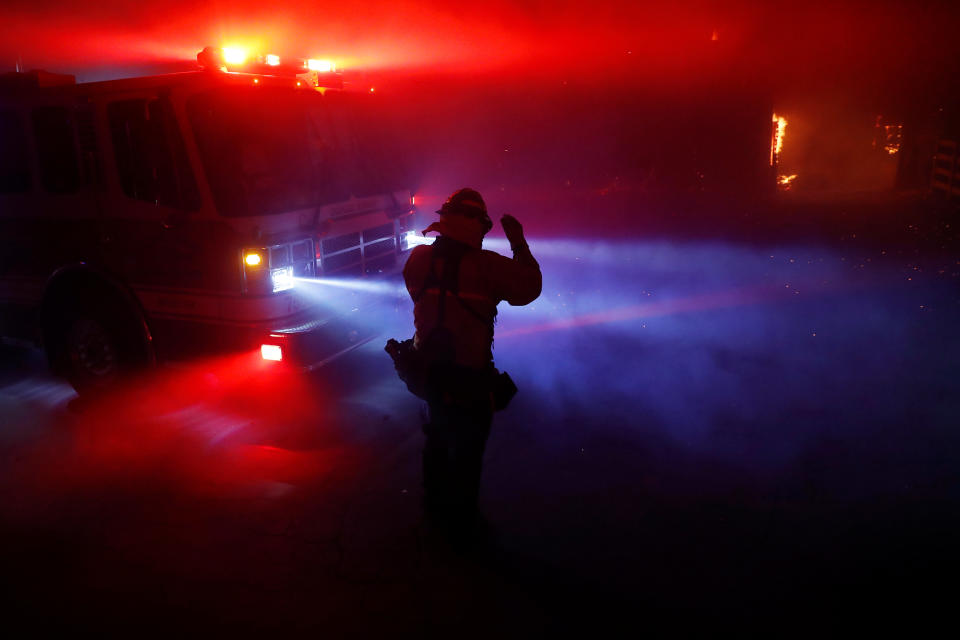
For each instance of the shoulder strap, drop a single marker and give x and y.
(441, 282)
(449, 279)
(488, 322)
(429, 280)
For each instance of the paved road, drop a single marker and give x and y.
(708, 434)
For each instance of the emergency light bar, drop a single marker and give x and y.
(321, 66)
(317, 73)
(234, 55)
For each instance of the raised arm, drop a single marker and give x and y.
(518, 281)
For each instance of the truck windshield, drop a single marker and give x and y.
(266, 151)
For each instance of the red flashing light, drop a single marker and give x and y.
(234, 55)
(321, 66)
(235, 59)
(271, 352)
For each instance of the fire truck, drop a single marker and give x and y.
(153, 218)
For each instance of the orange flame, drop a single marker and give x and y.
(888, 136)
(776, 145)
(893, 134)
(784, 181)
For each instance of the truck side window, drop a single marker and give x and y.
(14, 165)
(87, 137)
(151, 160)
(56, 153)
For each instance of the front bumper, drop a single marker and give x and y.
(341, 317)
(314, 343)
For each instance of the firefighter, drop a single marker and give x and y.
(456, 286)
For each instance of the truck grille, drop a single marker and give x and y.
(298, 254)
(359, 253)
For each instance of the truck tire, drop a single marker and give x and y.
(100, 346)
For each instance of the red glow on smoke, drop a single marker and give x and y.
(607, 38)
(219, 428)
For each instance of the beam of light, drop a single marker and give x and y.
(598, 281)
(650, 254)
(692, 304)
(358, 309)
(414, 239)
(570, 249)
(556, 248)
(593, 251)
(609, 261)
(32, 392)
(364, 285)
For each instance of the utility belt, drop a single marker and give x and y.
(447, 382)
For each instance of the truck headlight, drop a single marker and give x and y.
(413, 239)
(273, 269)
(282, 279)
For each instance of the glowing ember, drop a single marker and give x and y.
(784, 182)
(888, 136)
(893, 134)
(776, 145)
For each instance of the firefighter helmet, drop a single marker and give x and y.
(467, 202)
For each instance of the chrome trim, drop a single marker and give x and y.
(369, 246)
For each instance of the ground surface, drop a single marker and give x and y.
(756, 431)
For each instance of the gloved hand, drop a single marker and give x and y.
(513, 230)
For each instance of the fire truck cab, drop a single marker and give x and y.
(153, 218)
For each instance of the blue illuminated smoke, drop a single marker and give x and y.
(713, 345)
(691, 341)
(698, 341)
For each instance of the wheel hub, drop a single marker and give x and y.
(92, 350)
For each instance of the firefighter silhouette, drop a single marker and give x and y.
(456, 286)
